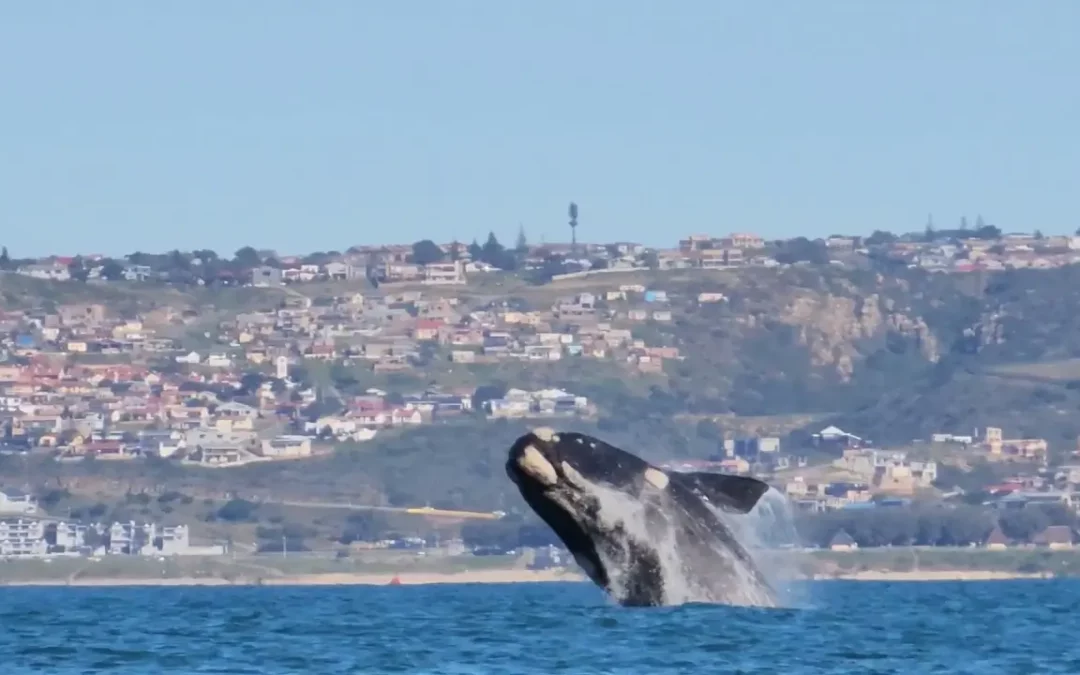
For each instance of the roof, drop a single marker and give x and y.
(1055, 534)
(842, 538)
(997, 537)
(836, 431)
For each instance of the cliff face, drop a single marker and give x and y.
(897, 357)
(838, 330)
(814, 340)
(888, 357)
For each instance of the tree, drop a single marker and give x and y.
(880, 237)
(931, 232)
(5, 259)
(455, 250)
(1023, 524)
(494, 253)
(651, 259)
(140, 258)
(487, 392)
(492, 250)
(963, 223)
(237, 510)
(1038, 234)
(476, 252)
(247, 257)
(205, 255)
(112, 271)
(77, 269)
(250, 383)
(364, 526)
(901, 526)
(178, 261)
(426, 252)
(801, 249)
(522, 244)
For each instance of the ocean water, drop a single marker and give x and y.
(1021, 627)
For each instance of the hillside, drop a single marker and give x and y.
(892, 356)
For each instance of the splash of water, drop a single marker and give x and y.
(769, 535)
(729, 580)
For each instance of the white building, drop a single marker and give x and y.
(287, 446)
(17, 504)
(22, 538)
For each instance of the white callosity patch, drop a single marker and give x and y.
(533, 462)
(657, 478)
(546, 434)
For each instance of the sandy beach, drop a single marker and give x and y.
(421, 578)
(497, 576)
(490, 576)
(932, 575)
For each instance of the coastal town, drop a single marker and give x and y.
(86, 381)
(526, 338)
(959, 250)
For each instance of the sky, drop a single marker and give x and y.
(311, 126)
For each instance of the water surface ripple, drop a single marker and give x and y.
(1020, 627)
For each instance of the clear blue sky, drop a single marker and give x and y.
(318, 125)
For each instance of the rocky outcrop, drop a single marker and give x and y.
(836, 328)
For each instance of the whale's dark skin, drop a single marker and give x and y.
(555, 472)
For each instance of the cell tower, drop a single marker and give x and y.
(573, 228)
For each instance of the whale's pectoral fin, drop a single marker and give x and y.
(732, 493)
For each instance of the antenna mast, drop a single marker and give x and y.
(573, 228)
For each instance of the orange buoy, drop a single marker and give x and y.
(396, 581)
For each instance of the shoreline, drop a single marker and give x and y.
(497, 576)
(504, 576)
(932, 575)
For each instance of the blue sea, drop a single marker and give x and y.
(1021, 627)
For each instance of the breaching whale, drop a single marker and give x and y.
(677, 537)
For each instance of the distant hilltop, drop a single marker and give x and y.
(983, 248)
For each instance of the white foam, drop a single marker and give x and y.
(734, 583)
(769, 535)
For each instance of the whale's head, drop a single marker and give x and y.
(560, 476)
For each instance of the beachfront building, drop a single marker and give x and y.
(21, 538)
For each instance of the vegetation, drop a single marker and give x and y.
(910, 559)
(885, 352)
(936, 525)
(920, 525)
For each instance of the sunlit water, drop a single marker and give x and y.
(1021, 627)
